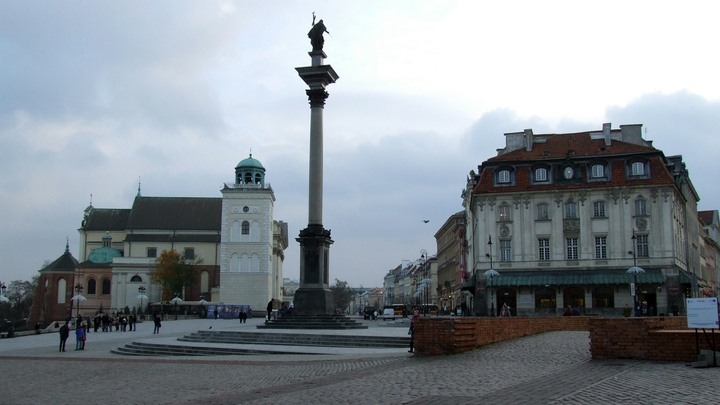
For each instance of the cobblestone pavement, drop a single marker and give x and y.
(552, 368)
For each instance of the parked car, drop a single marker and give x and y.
(388, 313)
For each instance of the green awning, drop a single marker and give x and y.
(575, 277)
(468, 285)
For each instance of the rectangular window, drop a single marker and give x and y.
(598, 171)
(544, 249)
(504, 212)
(642, 246)
(599, 209)
(152, 252)
(601, 247)
(640, 208)
(190, 253)
(542, 212)
(571, 248)
(504, 250)
(571, 210)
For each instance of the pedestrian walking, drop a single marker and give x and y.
(157, 324)
(675, 309)
(79, 336)
(64, 334)
(415, 318)
(269, 310)
(215, 313)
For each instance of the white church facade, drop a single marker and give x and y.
(240, 243)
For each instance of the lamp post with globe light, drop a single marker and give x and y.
(635, 270)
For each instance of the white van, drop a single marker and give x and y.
(388, 313)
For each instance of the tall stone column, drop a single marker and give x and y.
(314, 297)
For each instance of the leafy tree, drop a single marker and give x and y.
(20, 294)
(342, 294)
(173, 272)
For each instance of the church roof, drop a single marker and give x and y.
(181, 213)
(63, 264)
(107, 219)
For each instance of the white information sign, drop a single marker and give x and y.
(702, 313)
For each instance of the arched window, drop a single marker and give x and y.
(204, 281)
(136, 279)
(603, 297)
(235, 263)
(258, 178)
(638, 169)
(504, 213)
(61, 291)
(545, 297)
(246, 228)
(640, 207)
(106, 286)
(503, 176)
(574, 296)
(541, 174)
(92, 286)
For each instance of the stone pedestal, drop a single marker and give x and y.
(314, 297)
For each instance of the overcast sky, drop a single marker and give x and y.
(95, 94)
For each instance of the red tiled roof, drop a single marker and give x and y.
(558, 145)
(578, 149)
(706, 216)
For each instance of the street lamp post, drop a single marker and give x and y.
(78, 292)
(424, 257)
(489, 274)
(635, 270)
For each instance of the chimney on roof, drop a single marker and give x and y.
(606, 133)
(528, 140)
(632, 133)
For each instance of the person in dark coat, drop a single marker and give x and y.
(157, 324)
(64, 334)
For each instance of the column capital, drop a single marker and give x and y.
(317, 97)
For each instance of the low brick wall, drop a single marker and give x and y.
(652, 338)
(655, 338)
(435, 336)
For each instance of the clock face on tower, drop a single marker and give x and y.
(568, 172)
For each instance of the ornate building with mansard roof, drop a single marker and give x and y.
(561, 218)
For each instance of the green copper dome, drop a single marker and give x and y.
(103, 255)
(250, 163)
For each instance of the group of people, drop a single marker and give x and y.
(570, 311)
(80, 335)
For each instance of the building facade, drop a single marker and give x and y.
(560, 218)
(237, 245)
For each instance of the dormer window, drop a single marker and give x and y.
(597, 171)
(541, 174)
(637, 169)
(504, 176)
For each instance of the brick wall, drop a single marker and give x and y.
(653, 338)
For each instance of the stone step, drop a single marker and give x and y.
(152, 349)
(290, 339)
(296, 321)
